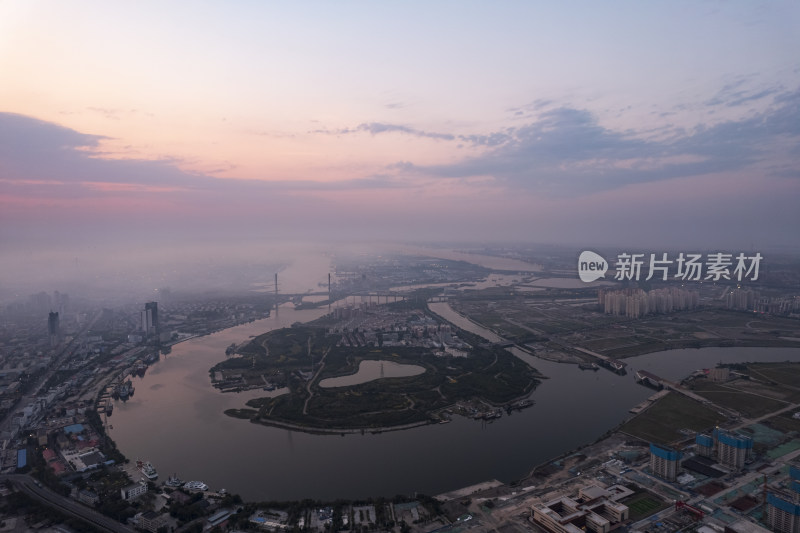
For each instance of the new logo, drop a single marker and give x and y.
(591, 266)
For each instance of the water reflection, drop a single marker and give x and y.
(371, 370)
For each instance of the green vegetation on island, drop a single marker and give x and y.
(299, 358)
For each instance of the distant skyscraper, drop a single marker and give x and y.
(53, 328)
(150, 319)
(60, 301)
(41, 302)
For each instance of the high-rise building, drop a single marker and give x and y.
(53, 328)
(741, 299)
(150, 325)
(733, 449)
(664, 462)
(705, 445)
(783, 507)
(61, 302)
(635, 303)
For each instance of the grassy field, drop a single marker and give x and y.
(784, 423)
(643, 504)
(748, 404)
(662, 422)
(785, 376)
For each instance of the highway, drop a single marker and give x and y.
(67, 506)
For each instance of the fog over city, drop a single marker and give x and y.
(139, 135)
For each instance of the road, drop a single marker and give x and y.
(67, 506)
(314, 377)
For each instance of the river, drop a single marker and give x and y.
(176, 421)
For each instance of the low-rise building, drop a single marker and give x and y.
(88, 497)
(593, 510)
(151, 521)
(218, 518)
(133, 491)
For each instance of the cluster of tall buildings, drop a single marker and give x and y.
(741, 299)
(730, 449)
(750, 300)
(635, 303)
(779, 306)
(42, 302)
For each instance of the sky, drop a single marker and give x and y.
(641, 124)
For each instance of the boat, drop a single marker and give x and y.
(195, 485)
(174, 481)
(649, 380)
(588, 366)
(520, 405)
(109, 408)
(615, 366)
(124, 390)
(147, 469)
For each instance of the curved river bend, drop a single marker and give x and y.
(176, 421)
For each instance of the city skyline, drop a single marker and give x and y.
(622, 123)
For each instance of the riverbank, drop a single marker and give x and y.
(176, 420)
(567, 350)
(338, 431)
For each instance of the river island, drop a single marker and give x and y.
(434, 371)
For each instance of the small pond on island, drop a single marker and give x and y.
(370, 370)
